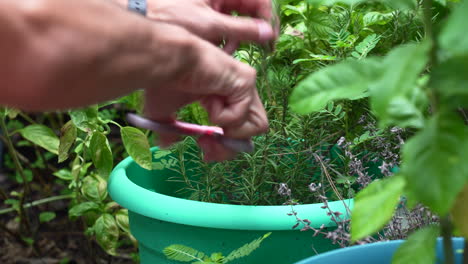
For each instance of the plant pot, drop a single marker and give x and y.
(158, 218)
(381, 253)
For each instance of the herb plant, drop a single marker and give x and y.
(419, 86)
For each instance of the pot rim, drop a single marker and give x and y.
(213, 215)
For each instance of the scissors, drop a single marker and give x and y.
(188, 129)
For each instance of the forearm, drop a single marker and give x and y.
(60, 54)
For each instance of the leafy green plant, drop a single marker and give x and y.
(416, 86)
(187, 254)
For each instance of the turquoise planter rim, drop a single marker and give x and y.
(212, 215)
(324, 257)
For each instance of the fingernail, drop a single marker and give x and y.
(265, 31)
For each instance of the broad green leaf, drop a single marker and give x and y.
(374, 206)
(67, 139)
(319, 23)
(452, 38)
(419, 248)
(365, 46)
(46, 217)
(434, 162)
(246, 249)
(64, 174)
(134, 101)
(82, 208)
(121, 218)
(183, 253)
(85, 119)
(137, 146)
(94, 188)
(101, 154)
(460, 212)
(346, 80)
(377, 18)
(41, 136)
(107, 233)
(395, 97)
(450, 79)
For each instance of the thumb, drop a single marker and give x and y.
(245, 29)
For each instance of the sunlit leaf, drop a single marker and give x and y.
(107, 233)
(41, 136)
(82, 208)
(137, 146)
(46, 217)
(101, 154)
(67, 138)
(434, 162)
(94, 188)
(374, 206)
(419, 248)
(346, 80)
(395, 97)
(452, 38)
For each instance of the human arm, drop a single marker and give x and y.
(54, 59)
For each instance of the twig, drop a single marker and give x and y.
(308, 149)
(330, 180)
(446, 230)
(19, 167)
(39, 202)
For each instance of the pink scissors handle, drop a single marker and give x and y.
(183, 128)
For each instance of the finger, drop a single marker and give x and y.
(162, 108)
(213, 150)
(255, 123)
(244, 28)
(256, 8)
(231, 46)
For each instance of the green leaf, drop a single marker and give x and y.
(121, 218)
(366, 46)
(82, 208)
(399, 4)
(183, 253)
(450, 79)
(85, 119)
(452, 38)
(107, 233)
(346, 80)
(377, 18)
(46, 217)
(101, 154)
(67, 138)
(94, 188)
(64, 174)
(374, 206)
(395, 97)
(434, 162)
(246, 249)
(319, 23)
(41, 136)
(137, 146)
(419, 248)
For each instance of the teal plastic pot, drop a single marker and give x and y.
(377, 253)
(158, 218)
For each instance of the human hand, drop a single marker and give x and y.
(211, 19)
(224, 86)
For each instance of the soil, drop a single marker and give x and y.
(59, 241)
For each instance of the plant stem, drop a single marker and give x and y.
(39, 202)
(446, 230)
(26, 188)
(465, 255)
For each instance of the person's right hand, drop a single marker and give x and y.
(224, 86)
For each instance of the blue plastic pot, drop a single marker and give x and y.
(376, 253)
(159, 217)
